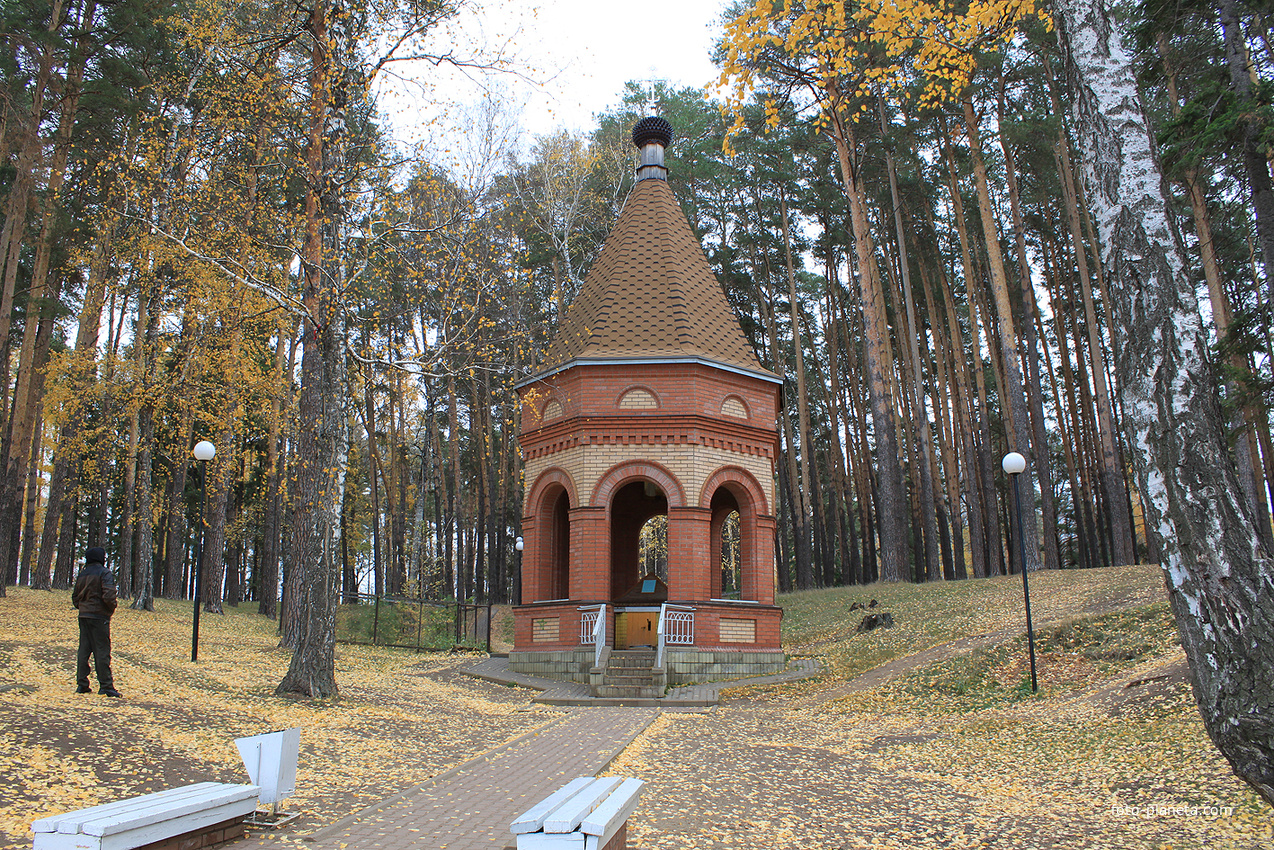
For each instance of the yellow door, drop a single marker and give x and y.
(641, 628)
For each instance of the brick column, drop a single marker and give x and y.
(714, 555)
(534, 561)
(590, 554)
(689, 554)
(756, 535)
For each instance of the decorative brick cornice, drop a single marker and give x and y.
(648, 429)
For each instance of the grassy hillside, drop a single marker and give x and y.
(820, 623)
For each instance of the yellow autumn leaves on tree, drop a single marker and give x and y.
(922, 50)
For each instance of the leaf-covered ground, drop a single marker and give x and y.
(954, 751)
(401, 718)
(939, 744)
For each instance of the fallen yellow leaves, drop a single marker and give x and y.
(401, 719)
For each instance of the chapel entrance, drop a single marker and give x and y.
(633, 506)
(639, 562)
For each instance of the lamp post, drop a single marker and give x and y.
(204, 451)
(1014, 464)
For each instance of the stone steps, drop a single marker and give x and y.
(629, 675)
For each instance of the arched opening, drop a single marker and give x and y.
(633, 506)
(652, 546)
(731, 561)
(559, 548)
(727, 545)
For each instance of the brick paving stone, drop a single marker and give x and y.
(470, 807)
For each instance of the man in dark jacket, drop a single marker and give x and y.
(94, 596)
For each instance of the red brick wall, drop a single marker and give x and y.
(681, 390)
(688, 413)
(769, 622)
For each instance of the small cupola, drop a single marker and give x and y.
(651, 135)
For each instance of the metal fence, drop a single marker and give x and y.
(417, 624)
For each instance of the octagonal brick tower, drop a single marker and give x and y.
(649, 401)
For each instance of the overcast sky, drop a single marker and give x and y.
(583, 51)
(603, 44)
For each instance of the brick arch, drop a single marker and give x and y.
(740, 491)
(632, 470)
(547, 478)
(738, 480)
(634, 388)
(738, 400)
(552, 409)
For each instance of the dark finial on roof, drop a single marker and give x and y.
(650, 129)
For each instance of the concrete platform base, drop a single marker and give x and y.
(694, 697)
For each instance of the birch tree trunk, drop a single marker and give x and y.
(1222, 593)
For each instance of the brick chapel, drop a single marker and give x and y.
(650, 402)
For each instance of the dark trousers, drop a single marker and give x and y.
(95, 640)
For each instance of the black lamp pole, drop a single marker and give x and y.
(204, 452)
(1014, 464)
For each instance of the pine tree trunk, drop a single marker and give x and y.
(805, 578)
(1114, 490)
(1243, 428)
(983, 528)
(1221, 591)
(891, 526)
(42, 294)
(1254, 147)
(143, 595)
(322, 439)
(851, 568)
(1034, 397)
(1013, 397)
(272, 527)
(928, 502)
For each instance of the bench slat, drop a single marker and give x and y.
(160, 811)
(137, 821)
(533, 818)
(148, 834)
(573, 811)
(614, 810)
(552, 841)
(169, 829)
(51, 823)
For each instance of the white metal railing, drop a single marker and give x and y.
(592, 629)
(676, 626)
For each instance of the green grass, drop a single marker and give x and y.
(396, 624)
(1071, 656)
(819, 622)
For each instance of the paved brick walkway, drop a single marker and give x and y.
(470, 807)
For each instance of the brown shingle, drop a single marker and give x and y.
(651, 294)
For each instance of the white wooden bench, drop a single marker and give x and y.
(586, 813)
(211, 809)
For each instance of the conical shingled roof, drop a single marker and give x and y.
(651, 295)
